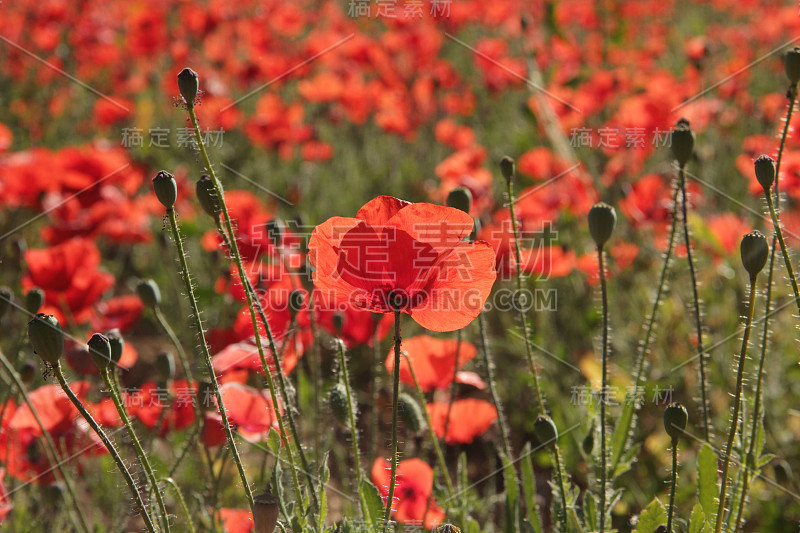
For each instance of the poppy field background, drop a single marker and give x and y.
(316, 110)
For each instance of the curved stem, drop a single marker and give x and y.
(395, 392)
(110, 447)
(698, 321)
(50, 446)
(674, 482)
(182, 502)
(603, 391)
(198, 323)
(736, 405)
(123, 414)
(779, 234)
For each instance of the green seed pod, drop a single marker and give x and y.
(460, 198)
(545, 430)
(602, 221)
(166, 189)
(274, 228)
(117, 344)
(165, 367)
(447, 528)
(149, 293)
(765, 171)
(675, 419)
(28, 371)
(188, 84)
(46, 338)
(6, 297)
(296, 299)
(337, 398)
(265, 512)
(682, 142)
(754, 250)
(100, 350)
(411, 413)
(34, 300)
(507, 168)
(792, 64)
(207, 196)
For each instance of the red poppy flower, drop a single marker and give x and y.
(236, 520)
(5, 502)
(121, 313)
(357, 325)
(147, 403)
(412, 492)
(433, 360)
(250, 410)
(410, 257)
(469, 418)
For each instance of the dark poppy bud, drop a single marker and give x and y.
(100, 350)
(682, 142)
(165, 367)
(46, 338)
(166, 188)
(602, 221)
(588, 442)
(754, 250)
(265, 512)
(28, 371)
(507, 168)
(783, 472)
(205, 395)
(338, 322)
(19, 246)
(188, 83)
(274, 230)
(765, 171)
(447, 528)
(149, 293)
(661, 529)
(296, 299)
(411, 413)
(207, 196)
(117, 344)
(34, 300)
(460, 198)
(545, 430)
(792, 63)
(6, 297)
(337, 398)
(675, 419)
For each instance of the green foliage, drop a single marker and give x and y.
(653, 516)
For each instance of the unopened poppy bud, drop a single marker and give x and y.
(149, 293)
(188, 83)
(411, 413)
(460, 198)
(28, 371)
(338, 322)
(588, 442)
(602, 221)
(337, 398)
(765, 171)
(447, 528)
(205, 394)
(19, 246)
(165, 367)
(783, 472)
(792, 63)
(100, 350)
(754, 250)
(265, 513)
(507, 168)
(34, 300)
(274, 230)
(46, 338)
(117, 344)
(166, 188)
(675, 419)
(296, 299)
(682, 142)
(54, 492)
(545, 430)
(207, 196)
(661, 529)
(6, 297)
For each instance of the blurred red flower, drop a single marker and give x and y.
(433, 361)
(413, 486)
(469, 418)
(236, 520)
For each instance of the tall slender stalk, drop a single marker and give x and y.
(673, 484)
(488, 362)
(395, 392)
(109, 446)
(603, 392)
(181, 502)
(453, 382)
(374, 388)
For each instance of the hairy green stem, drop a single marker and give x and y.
(453, 382)
(779, 234)
(488, 362)
(182, 502)
(374, 388)
(673, 484)
(603, 391)
(182, 357)
(395, 392)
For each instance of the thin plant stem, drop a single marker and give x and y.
(696, 298)
(182, 357)
(110, 447)
(189, 444)
(736, 405)
(50, 446)
(603, 391)
(148, 469)
(181, 502)
(779, 234)
(488, 362)
(562, 488)
(453, 383)
(395, 392)
(375, 378)
(198, 323)
(673, 484)
(435, 441)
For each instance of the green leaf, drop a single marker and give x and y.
(652, 517)
(274, 442)
(373, 503)
(620, 436)
(529, 488)
(707, 480)
(697, 522)
(512, 495)
(590, 511)
(324, 477)
(764, 459)
(472, 527)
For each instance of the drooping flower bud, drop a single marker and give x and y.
(337, 398)
(46, 338)
(149, 293)
(338, 322)
(117, 344)
(274, 228)
(602, 221)
(545, 430)
(166, 188)
(165, 367)
(754, 250)
(460, 198)
(6, 297)
(682, 142)
(100, 350)
(587, 444)
(34, 300)
(765, 171)
(207, 196)
(507, 168)
(296, 299)
(188, 84)
(675, 419)
(792, 64)
(265, 512)
(411, 413)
